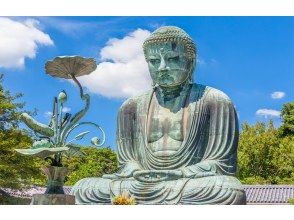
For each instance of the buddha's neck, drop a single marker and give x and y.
(170, 96)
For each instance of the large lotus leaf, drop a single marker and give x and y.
(74, 150)
(68, 66)
(37, 126)
(42, 152)
(81, 135)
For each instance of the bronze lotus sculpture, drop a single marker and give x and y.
(52, 139)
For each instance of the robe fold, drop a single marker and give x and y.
(207, 156)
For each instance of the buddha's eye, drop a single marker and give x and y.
(174, 58)
(154, 61)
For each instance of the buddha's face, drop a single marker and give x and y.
(168, 64)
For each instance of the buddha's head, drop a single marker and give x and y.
(171, 54)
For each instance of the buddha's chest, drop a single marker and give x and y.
(165, 124)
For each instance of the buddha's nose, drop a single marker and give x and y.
(162, 66)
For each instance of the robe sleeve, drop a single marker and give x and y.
(126, 131)
(220, 154)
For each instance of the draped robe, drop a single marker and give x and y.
(207, 156)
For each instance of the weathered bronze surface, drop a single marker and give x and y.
(51, 141)
(177, 144)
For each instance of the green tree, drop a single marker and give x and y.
(96, 163)
(287, 115)
(266, 154)
(257, 144)
(15, 170)
(284, 154)
(283, 160)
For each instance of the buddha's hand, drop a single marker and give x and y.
(125, 171)
(198, 174)
(152, 176)
(204, 174)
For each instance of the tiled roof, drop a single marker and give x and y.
(28, 193)
(269, 194)
(256, 194)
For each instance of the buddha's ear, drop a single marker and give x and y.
(192, 69)
(174, 45)
(193, 63)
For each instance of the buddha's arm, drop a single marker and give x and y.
(126, 128)
(221, 151)
(202, 169)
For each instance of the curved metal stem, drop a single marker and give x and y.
(75, 118)
(55, 114)
(79, 84)
(90, 123)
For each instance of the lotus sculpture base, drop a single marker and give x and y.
(55, 179)
(54, 194)
(52, 199)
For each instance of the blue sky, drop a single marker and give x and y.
(249, 58)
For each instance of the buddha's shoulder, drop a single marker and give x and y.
(133, 102)
(210, 94)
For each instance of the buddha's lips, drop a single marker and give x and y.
(167, 71)
(163, 74)
(166, 78)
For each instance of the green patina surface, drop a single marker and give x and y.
(177, 143)
(51, 140)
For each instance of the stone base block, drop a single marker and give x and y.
(52, 199)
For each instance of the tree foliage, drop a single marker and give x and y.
(255, 152)
(287, 115)
(96, 163)
(283, 159)
(266, 153)
(15, 170)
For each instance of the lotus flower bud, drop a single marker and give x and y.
(95, 141)
(62, 97)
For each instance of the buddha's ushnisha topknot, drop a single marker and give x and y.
(172, 34)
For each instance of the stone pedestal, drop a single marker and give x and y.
(55, 176)
(52, 199)
(54, 194)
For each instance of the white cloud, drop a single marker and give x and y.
(157, 25)
(124, 71)
(66, 109)
(68, 26)
(47, 114)
(77, 27)
(200, 61)
(277, 95)
(20, 40)
(268, 113)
